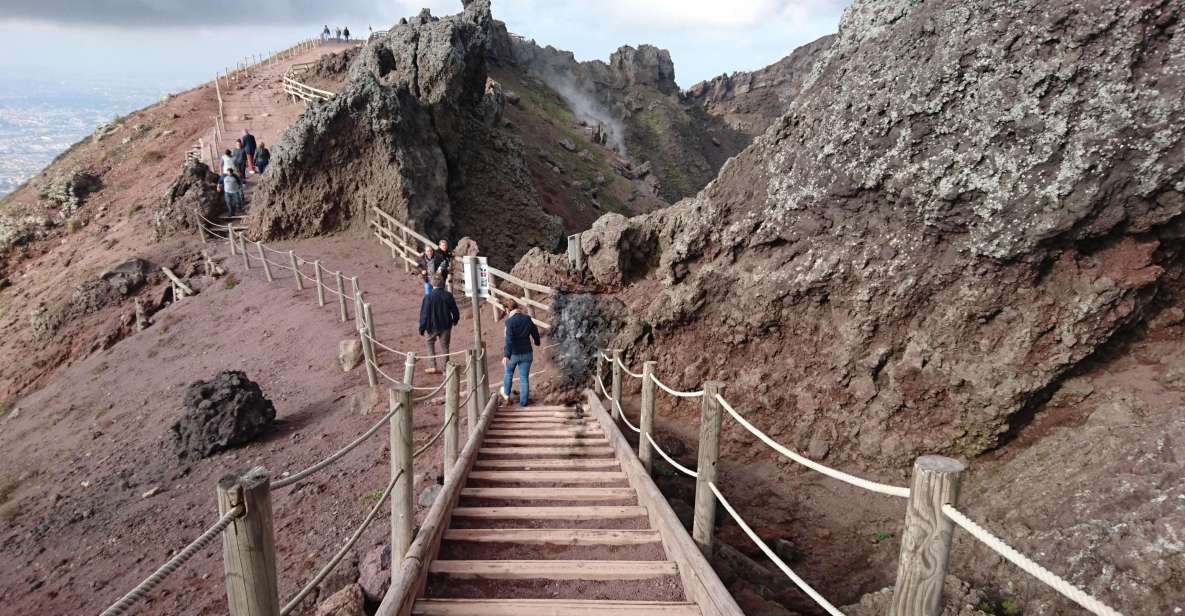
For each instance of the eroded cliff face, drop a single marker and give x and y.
(933, 235)
(410, 132)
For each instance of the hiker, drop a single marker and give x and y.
(444, 258)
(263, 156)
(337, 33)
(232, 193)
(438, 315)
(240, 158)
(427, 263)
(228, 162)
(325, 33)
(520, 332)
(346, 32)
(249, 148)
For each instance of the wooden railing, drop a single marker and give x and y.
(406, 243)
(309, 94)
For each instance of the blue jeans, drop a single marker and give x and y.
(523, 362)
(234, 202)
(427, 288)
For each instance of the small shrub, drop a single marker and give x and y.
(1010, 607)
(72, 225)
(371, 498)
(231, 281)
(880, 536)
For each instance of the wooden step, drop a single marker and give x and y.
(587, 512)
(558, 536)
(539, 432)
(548, 476)
(550, 463)
(549, 607)
(555, 569)
(536, 413)
(541, 441)
(541, 420)
(546, 451)
(537, 409)
(557, 494)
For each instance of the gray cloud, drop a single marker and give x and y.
(182, 13)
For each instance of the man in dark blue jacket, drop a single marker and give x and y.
(249, 149)
(438, 315)
(520, 332)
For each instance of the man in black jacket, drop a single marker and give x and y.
(520, 332)
(438, 315)
(249, 149)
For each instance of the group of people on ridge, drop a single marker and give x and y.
(439, 314)
(247, 157)
(339, 34)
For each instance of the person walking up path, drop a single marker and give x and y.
(520, 333)
(232, 193)
(438, 315)
(249, 149)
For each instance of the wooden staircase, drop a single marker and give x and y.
(548, 523)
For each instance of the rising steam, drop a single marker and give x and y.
(587, 109)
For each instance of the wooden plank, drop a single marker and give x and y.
(550, 463)
(537, 413)
(546, 407)
(587, 512)
(555, 569)
(542, 441)
(557, 494)
(549, 536)
(548, 476)
(581, 433)
(546, 451)
(550, 607)
(515, 280)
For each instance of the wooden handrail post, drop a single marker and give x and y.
(230, 236)
(483, 383)
(452, 396)
(616, 391)
(359, 318)
(341, 296)
(709, 454)
(320, 285)
(403, 237)
(295, 270)
(409, 369)
(267, 270)
(248, 544)
(645, 453)
(925, 542)
(471, 369)
(369, 320)
(402, 513)
(243, 251)
(368, 357)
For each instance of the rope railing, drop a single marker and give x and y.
(335, 456)
(434, 391)
(798, 581)
(164, 571)
(1047, 577)
(699, 393)
(626, 369)
(872, 486)
(435, 437)
(617, 406)
(341, 553)
(670, 460)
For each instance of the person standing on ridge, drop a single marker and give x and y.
(438, 315)
(232, 193)
(427, 264)
(337, 32)
(263, 156)
(240, 159)
(520, 332)
(346, 32)
(249, 149)
(325, 34)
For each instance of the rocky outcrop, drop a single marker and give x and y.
(412, 133)
(750, 101)
(226, 411)
(195, 191)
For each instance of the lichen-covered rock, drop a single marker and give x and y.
(111, 287)
(226, 411)
(68, 191)
(193, 193)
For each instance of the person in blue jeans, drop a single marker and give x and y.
(520, 333)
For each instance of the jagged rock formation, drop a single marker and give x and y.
(750, 101)
(226, 411)
(407, 133)
(193, 192)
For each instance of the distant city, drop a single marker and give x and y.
(40, 119)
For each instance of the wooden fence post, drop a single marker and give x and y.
(452, 395)
(368, 317)
(341, 296)
(267, 270)
(402, 513)
(230, 236)
(403, 238)
(409, 369)
(616, 391)
(359, 317)
(295, 270)
(483, 385)
(320, 285)
(368, 357)
(645, 453)
(471, 368)
(248, 544)
(925, 542)
(243, 251)
(709, 455)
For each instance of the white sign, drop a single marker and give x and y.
(482, 275)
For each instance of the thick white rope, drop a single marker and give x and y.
(384, 374)
(1046, 576)
(381, 345)
(801, 583)
(529, 376)
(434, 391)
(606, 357)
(671, 461)
(167, 569)
(880, 488)
(335, 456)
(435, 437)
(341, 553)
(627, 370)
(617, 406)
(674, 392)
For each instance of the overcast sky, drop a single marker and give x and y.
(186, 41)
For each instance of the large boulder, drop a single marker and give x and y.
(374, 575)
(193, 192)
(345, 602)
(226, 411)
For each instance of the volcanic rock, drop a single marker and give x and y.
(375, 573)
(194, 191)
(345, 602)
(226, 411)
